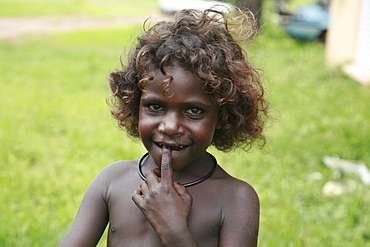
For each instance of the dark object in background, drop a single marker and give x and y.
(309, 23)
(255, 6)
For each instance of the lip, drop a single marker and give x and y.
(172, 146)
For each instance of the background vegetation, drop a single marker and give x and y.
(56, 132)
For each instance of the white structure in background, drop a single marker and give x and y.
(348, 39)
(363, 42)
(173, 6)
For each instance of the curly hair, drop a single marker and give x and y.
(207, 44)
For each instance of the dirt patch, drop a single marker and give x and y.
(12, 27)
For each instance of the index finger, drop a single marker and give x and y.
(166, 166)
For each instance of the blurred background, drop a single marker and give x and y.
(56, 132)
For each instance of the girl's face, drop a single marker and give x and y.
(185, 121)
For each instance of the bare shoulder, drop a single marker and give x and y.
(240, 208)
(235, 189)
(242, 196)
(118, 169)
(94, 212)
(114, 173)
(120, 166)
(244, 191)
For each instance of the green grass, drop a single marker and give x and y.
(56, 134)
(63, 7)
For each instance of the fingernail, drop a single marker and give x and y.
(165, 149)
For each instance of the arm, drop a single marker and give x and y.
(166, 205)
(92, 217)
(241, 218)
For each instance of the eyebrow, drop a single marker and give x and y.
(151, 100)
(189, 103)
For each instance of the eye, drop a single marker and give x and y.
(155, 107)
(194, 111)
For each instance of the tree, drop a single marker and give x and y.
(255, 6)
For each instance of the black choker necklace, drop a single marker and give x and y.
(186, 184)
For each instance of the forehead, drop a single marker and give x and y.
(184, 84)
(179, 74)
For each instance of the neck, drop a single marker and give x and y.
(190, 175)
(196, 169)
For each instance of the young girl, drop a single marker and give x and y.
(188, 86)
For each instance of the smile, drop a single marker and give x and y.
(173, 147)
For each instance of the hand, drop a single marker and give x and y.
(165, 203)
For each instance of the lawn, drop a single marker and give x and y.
(56, 134)
(86, 7)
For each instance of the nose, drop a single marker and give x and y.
(171, 124)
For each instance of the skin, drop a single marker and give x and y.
(176, 131)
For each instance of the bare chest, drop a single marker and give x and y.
(129, 227)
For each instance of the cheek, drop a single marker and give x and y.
(145, 125)
(206, 131)
(148, 126)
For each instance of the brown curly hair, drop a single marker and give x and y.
(206, 43)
